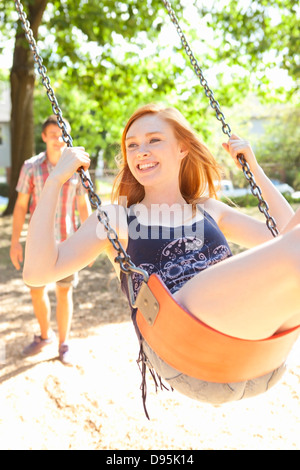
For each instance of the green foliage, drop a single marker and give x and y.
(101, 82)
(293, 200)
(105, 58)
(257, 35)
(4, 75)
(251, 201)
(242, 201)
(278, 151)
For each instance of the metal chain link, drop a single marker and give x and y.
(255, 189)
(122, 258)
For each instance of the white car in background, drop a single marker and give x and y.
(283, 188)
(228, 190)
(296, 195)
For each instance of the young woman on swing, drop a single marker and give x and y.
(251, 296)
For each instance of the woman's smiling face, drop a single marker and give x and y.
(153, 152)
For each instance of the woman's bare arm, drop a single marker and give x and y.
(45, 260)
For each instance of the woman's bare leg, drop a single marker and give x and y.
(251, 295)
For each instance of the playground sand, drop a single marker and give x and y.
(96, 404)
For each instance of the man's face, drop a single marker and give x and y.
(52, 136)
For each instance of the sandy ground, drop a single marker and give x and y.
(96, 404)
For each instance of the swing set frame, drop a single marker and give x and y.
(179, 338)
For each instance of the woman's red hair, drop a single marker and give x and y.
(199, 171)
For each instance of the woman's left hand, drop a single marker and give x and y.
(236, 146)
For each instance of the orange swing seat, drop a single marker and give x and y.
(195, 349)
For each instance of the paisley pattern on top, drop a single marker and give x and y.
(175, 260)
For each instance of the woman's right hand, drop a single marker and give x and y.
(236, 146)
(72, 158)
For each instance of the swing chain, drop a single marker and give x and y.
(208, 92)
(255, 189)
(124, 260)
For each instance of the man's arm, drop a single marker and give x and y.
(19, 214)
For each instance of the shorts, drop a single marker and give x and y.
(70, 281)
(209, 392)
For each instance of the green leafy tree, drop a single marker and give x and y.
(99, 105)
(279, 150)
(97, 55)
(257, 35)
(95, 21)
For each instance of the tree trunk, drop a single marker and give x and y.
(22, 79)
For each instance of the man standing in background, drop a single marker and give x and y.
(73, 196)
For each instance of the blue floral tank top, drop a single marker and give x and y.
(175, 254)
